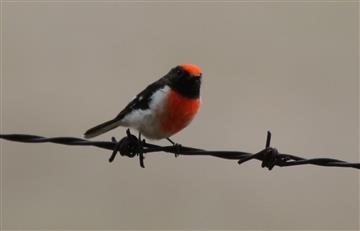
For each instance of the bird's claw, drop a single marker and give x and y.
(177, 149)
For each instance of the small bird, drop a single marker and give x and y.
(163, 108)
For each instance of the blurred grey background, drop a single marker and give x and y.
(288, 67)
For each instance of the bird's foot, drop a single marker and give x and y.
(176, 146)
(177, 149)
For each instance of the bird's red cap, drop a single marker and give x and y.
(191, 69)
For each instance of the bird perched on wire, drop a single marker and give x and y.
(163, 108)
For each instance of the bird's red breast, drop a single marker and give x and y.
(178, 112)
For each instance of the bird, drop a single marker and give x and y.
(163, 108)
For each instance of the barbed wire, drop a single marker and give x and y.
(131, 146)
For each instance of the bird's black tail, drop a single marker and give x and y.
(102, 128)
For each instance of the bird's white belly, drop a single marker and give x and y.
(147, 121)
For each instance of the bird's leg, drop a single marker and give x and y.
(141, 151)
(176, 145)
(172, 142)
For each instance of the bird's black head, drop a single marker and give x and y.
(186, 80)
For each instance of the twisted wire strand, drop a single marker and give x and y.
(130, 146)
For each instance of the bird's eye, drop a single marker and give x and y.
(179, 71)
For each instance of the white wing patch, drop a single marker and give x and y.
(145, 121)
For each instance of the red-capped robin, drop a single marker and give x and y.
(163, 108)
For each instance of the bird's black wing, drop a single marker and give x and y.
(142, 100)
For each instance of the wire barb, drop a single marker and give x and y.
(131, 146)
(269, 155)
